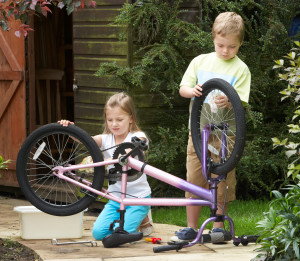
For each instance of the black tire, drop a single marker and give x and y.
(211, 114)
(54, 145)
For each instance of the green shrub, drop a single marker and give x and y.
(164, 46)
(280, 226)
(3, 164)
(168, 152)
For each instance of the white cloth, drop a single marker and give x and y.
(139, 188)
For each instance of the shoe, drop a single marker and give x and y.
(217, 229)
(185, 234)
(147, 231)
(220, 236)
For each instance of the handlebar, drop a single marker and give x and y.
(141, 144)
(166, 248)
(173, 246)
(244, 240)
(138, 144)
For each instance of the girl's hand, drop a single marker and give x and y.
(222, 101)
(197, 90)
(65, 123)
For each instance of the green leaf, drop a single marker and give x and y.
(277, 194)
(280, 62)
(4, 25)
(77, 3)
(70, 9)
(296, 249)
(290, 153)
(292, 55)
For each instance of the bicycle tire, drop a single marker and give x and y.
(202, 111)
(55, 145)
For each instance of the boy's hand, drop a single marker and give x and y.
(188, 92)
(197, 90)
(65, 123)
(222, 101)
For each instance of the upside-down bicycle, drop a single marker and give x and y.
(52, 178)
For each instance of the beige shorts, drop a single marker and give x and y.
(194, 175)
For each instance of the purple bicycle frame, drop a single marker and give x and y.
(206, 197)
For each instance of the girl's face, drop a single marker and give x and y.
(227, 46)
(118, 122)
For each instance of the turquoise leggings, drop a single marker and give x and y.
(134, 215)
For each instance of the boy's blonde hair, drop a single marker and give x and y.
(125, 102)
(229, 23)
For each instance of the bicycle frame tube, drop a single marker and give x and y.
(207, 196)
(224, 143)
(204, 224)
(205, 136)
(170, 179)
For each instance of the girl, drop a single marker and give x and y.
(120, 126)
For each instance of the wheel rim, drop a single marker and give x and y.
(206, 114)
(56, 149)
(220, 122)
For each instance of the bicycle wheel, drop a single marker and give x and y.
(54, 145)
(205, 113)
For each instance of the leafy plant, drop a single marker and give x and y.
(167, 152)
(165, 43)
(3, 164)
(259, 170)
(280, 237)
(280, 227)
(292, 76)
(20, 10)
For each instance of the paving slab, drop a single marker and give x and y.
(140, 251)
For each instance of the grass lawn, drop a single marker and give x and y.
(245, 215)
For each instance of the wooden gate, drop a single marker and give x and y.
(12, 101)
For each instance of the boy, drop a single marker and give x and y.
(228, 35)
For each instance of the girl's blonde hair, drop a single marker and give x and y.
(229, 23)
(125, 102)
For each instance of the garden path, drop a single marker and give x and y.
(10, 228)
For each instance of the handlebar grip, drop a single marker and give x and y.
(166, 248)
(250, 238)
(143, 145)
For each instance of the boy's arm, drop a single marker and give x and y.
(188, 92)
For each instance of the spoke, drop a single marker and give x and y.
(56, 149)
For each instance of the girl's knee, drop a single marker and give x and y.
(99, 234)
(100, 229)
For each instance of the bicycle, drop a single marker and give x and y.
(52, 179)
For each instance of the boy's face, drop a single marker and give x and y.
(227, 46)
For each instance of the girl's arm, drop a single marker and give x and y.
(97, 138)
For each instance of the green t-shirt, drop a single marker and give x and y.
(208, 66)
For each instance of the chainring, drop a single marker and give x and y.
(132, 174)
